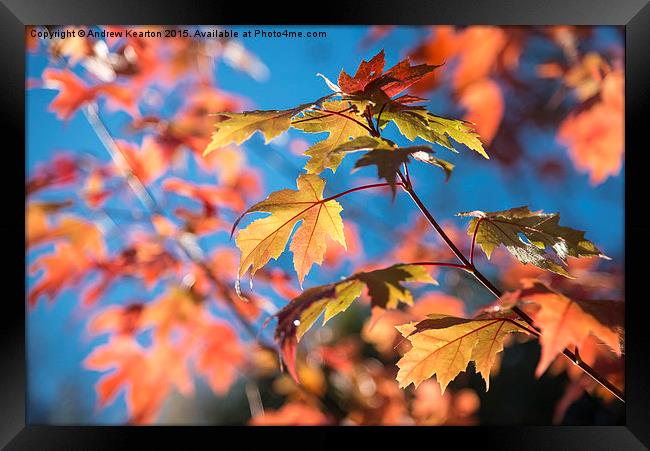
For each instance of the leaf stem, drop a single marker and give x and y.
(497, 293)
(471, 251)
(445, 264)
(358, 188)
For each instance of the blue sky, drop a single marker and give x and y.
(61, 391)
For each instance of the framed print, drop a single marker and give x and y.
(386, 215)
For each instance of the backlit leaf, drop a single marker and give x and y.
(266, 238)
(567, 322)
(340, 129)
(547, 244)
(444, 346)
(389, 158)
(417, 122)
(384, 287)
(239, 127)
(370, 76)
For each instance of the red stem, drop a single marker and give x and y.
(471, 251)
(445, 264)
(359, 188)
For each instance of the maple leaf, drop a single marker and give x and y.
(63, 267)
(83, 235)
(384, 288)
(148, 373)
(36, 220)
(388, 157)
(366, 72)
(370, 76)
(74, 93)
(175, 307)
(147, 162)
(340, 127)
(62, 170)
(380, 330)
(211, 198)
(266, 238)
(417, 122)
(444, 345)
(541, 230)
(239, 127)
(119, 319)
(565, 321)
(208, 195)
(595, 136)
(221, 356)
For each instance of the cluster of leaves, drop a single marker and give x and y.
(136, 219)
(442, 345)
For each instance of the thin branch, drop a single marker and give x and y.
(118, 157)
(373, 130)
(406, 172)
(313, 118)
(381, 110)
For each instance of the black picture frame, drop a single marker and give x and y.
(16, 14)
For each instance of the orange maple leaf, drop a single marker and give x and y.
(147, 375)
(220, 357)
(596, 136)
(74, 93)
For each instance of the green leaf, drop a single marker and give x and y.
(547, 244)
(239, 127)
(417, 122)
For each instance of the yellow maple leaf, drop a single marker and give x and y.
(341, 128)
(37, 222)
(240, 126)
(444, 345)
(266, 238)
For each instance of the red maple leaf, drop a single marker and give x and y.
(369, 76)
(74, 93)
